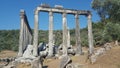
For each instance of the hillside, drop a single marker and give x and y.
(9, 39)
(111, 59)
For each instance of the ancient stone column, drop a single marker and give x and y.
(50, 54)
(90, 35)
(25, 35)
(77, 32)
(68, 38)
(64, 34)
(20, 51)
(35, 39)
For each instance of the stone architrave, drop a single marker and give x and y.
(64, 34)
(50, 54)
(35, 39)
(90, 35)
(77, 32)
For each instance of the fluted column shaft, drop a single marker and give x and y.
(20, 51)
(64, 34)
(35, 39)
(78, 40)
(90, 35)
(50, 34)
(68, 38)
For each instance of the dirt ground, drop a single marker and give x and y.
(111, 59)
(7, 54)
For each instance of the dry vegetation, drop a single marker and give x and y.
(7, 54)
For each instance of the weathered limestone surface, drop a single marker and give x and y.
(116, 43)
(64, 61)
(43, 49)
(107, 46)
(68, 11)
(68, 38)
(64, 34)
(25, 37)
(27, 57)
(90, 35)
(50, 54)
(74, 65)
(96, 54)
(78, 41)
(36, 63)
(20, 52)
(35, 39)
(28, 52)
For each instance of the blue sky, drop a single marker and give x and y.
(10, 13)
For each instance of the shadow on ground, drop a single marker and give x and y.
(45, 66)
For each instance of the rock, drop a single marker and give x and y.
(65, 60)
(100, 51)
(107, 46)
(43, 53)
(93, 58)
(41, 47)
(73, 65)
(36, 63)
(28, 52)
(69, 66)
(116, 43)
(77, 65)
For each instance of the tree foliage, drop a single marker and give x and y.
(9, 39)
(106, 33)
(107, 9)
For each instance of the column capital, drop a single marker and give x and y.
(64, 14)
(22, 13)
(36, 12)
(76, 16)
(50, 13)
(22, 16)
(89, 16)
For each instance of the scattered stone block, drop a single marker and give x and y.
(65, 60)
(28, 52)
(36, 63)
